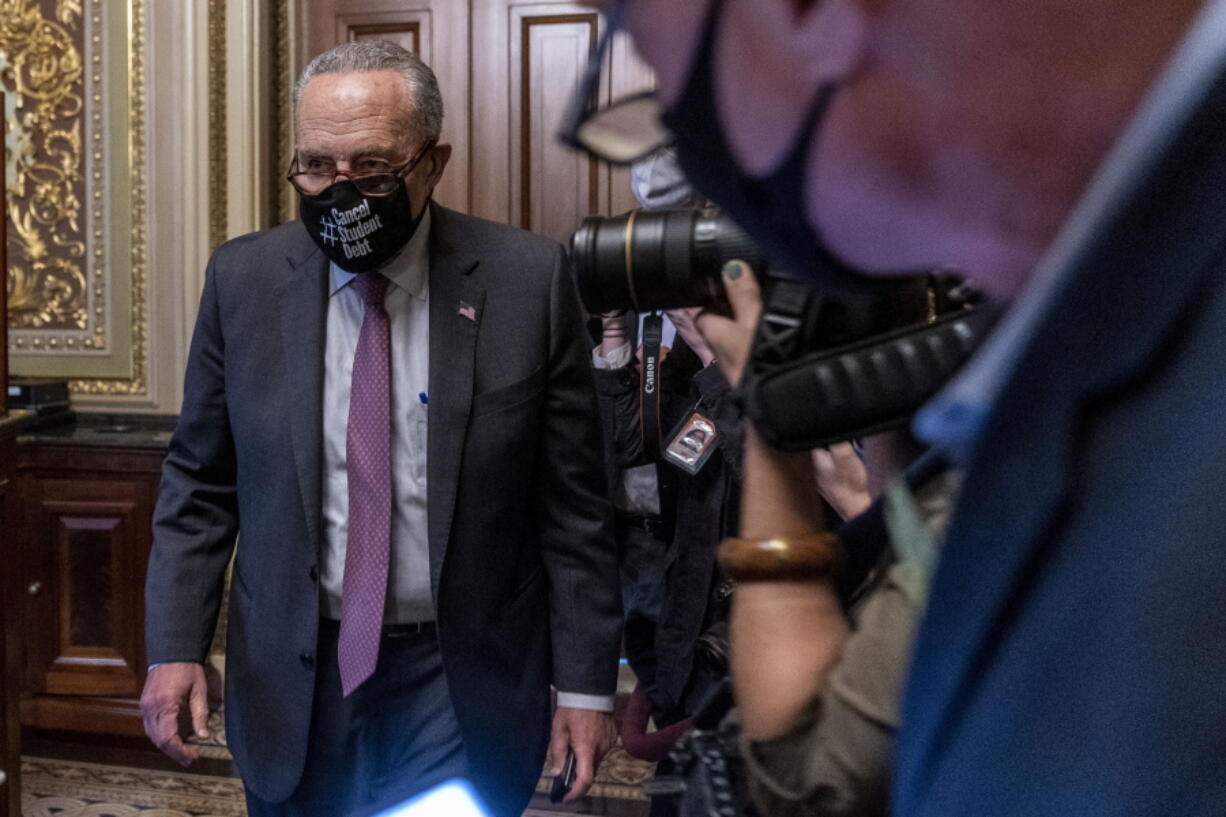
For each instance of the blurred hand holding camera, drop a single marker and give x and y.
(730, 338)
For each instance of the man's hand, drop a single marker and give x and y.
(589, 734)
(683, 319)
(167, 688)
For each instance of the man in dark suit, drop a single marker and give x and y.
(1070, 158)
(392, 402)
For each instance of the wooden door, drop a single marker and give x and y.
(83, 639)
(436, 31)
(530, 58)
(84, 553)
(507, 69)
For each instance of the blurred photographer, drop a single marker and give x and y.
(689, 486)
(1071, 158)
(677, 441)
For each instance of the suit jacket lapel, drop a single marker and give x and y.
(302, 300)
(1122, 305)
(456, 305)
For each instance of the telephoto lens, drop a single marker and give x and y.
(645, 260)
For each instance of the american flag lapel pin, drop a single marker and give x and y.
(467, 310)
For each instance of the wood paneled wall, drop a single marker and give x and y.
(507, 71)
(435, 30)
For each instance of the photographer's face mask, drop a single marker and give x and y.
(360, 224)
(771, 209)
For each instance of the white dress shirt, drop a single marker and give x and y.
(407, 303)
(409, 597)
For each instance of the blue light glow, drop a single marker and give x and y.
(453, 798)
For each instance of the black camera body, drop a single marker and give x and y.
(820, 370)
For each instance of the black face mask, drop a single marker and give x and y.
(358, 232)
(771, 209)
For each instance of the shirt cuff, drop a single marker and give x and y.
(616, 359)
(160, 663)
(578, 700)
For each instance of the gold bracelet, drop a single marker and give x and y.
(782, 558)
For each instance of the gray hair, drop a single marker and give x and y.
(381, 55)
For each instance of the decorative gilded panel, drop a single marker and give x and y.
(44, 44)
(217, 122)
(282, 200)
(76, 266)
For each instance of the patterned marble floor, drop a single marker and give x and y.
(59, 788)
(68, 788)
(72, 788)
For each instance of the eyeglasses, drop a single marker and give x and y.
(376, 178)
(626, 130)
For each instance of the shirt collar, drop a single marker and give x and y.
(954, 418)
(409, 269)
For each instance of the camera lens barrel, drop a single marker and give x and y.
(717, 240)
(658, 259)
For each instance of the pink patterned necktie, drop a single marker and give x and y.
(369, 469)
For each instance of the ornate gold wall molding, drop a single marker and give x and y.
(217, 123)
(47, 283)
(283, 76)
(137, 384)
(78, 243)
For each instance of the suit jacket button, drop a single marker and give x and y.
(308, 660)
(314, 573)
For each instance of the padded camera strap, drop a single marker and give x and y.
(800, 399)
(649, 385)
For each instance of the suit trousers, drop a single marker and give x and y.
(641, 556)
(395, 736)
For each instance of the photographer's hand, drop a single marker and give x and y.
(730, 339)
(842, 479)
(683, 319)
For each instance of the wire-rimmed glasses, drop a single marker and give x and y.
(378, 178)
(626, 130)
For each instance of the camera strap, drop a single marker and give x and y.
(870, 385)
(649, 385)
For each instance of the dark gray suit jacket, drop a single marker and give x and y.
(522, 568)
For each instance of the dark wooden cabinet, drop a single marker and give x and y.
(10, 727)
(85, 531)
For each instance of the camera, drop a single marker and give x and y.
(646, 260)
(821, 370)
